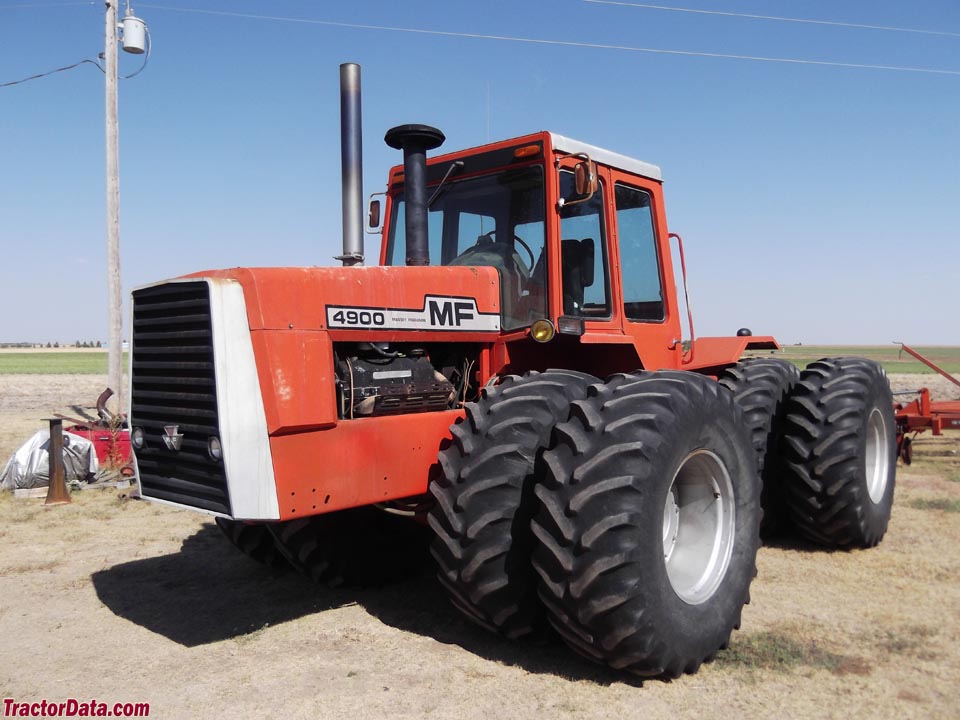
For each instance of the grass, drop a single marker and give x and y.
(55, 363)
(944, 504)
(95, 363)
(889, 356)
(912, 641)
(781, 651)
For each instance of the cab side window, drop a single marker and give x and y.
(583, 253)
(642, 290)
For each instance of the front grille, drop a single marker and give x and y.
(174, 383)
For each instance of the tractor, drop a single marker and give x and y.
(511, 379)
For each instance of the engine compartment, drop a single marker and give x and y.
(377, 379)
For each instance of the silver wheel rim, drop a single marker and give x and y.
(698, 527)
(877, 455)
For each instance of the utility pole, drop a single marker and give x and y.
(114, 291)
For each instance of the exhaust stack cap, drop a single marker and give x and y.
(416, 137)
(415, 140)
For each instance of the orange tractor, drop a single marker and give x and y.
(512, 375)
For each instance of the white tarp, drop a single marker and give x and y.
(29, 467)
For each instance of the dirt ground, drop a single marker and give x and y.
(127, 601)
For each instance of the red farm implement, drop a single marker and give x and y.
(923, 413)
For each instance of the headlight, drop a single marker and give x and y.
(137, 438)
(214, 450)
(542, 331)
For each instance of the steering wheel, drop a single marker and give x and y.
(517, 241)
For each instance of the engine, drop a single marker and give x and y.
(375, 379)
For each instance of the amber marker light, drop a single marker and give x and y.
(542, 331)
(526, 151)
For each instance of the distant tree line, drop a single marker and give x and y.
(77, 344)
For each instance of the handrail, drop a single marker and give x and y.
(688, 358)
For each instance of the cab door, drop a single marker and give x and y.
(646, 292)
(583, 265)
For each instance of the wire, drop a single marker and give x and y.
(51, 72)
(146, 58)
(774, 17)
(562, 43)
(21, 6)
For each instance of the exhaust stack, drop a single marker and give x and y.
(415, 140)
(351, 164)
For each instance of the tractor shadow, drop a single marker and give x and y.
(209, 592)
(785, 540)
(419, 605)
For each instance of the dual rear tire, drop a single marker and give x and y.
(761, 387)
(640, 514)
(840, 451)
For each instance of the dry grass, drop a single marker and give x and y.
(130, 601)
(783, 650)
(939, 503)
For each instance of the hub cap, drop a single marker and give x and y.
(877, 455)
(698, 527)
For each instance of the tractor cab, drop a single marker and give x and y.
(577, 235)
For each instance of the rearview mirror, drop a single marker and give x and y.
(585, 181)
(374, 224)
(585, 178)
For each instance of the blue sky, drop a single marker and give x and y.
(817, 203)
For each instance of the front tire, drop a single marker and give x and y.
(648, 523)
(360, 547)
(841, 449)
(253, 540)
(481, 518)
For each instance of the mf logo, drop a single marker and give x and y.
(172, 437)
(449, 312)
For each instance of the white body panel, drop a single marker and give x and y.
(247, 458)
(606, 157)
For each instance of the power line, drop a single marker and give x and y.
(21, 6)
(774, 17)
(51, 72)
(563, 43)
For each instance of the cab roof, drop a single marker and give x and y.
(570, 146)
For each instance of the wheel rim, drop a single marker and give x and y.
(877, 455)
(698, 527)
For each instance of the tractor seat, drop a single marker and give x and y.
(577, 261)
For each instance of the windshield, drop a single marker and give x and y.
(494, 220)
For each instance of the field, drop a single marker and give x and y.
(890, 356)
(54, 362)
(94, 362)
(127, 601)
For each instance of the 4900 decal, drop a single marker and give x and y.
(439, 312)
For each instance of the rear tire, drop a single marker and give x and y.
(255, 541)
(761, 387)
(481, 518)
(841, 448)
(361, 547)
(648, 523)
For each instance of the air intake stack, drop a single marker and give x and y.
(415, 140)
